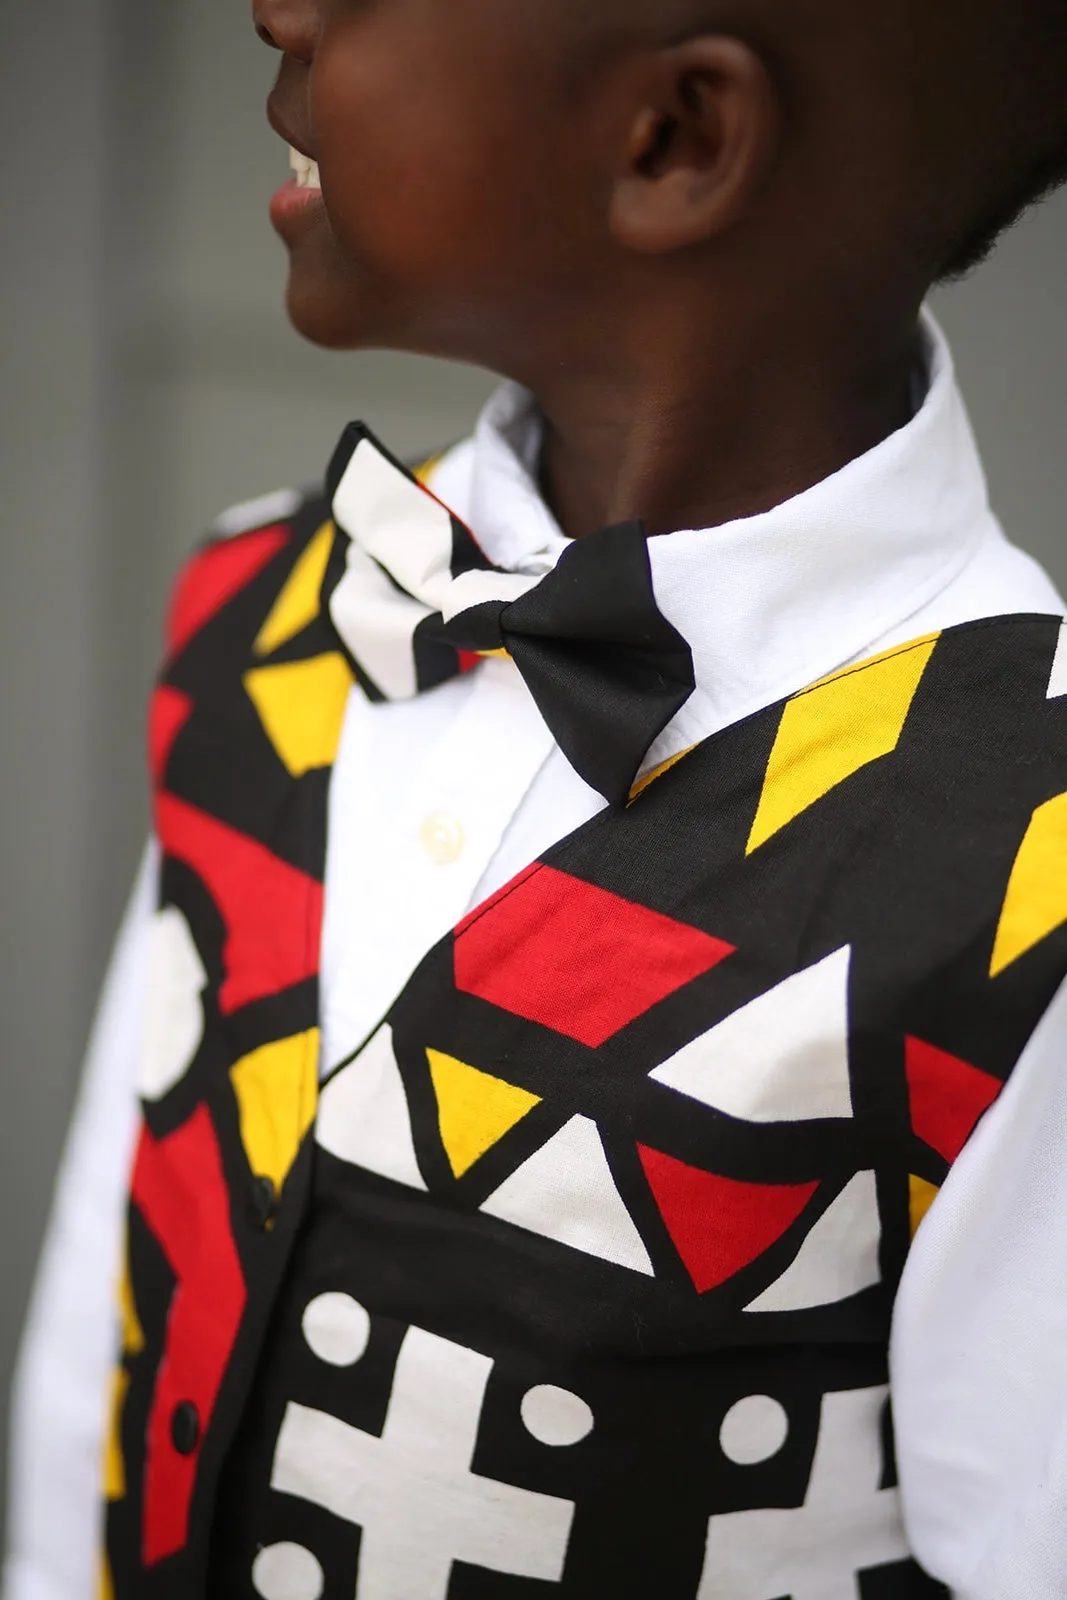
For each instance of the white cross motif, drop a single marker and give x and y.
(412, 1491)
(846, 1524)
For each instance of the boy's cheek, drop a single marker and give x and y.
(451, 202)
(430, 154)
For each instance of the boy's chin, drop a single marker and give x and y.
(330, 302)
(324, 317)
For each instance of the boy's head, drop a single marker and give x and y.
(527, 183)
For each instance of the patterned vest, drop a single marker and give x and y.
(577, 1278)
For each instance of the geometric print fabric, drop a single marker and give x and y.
(781, 1058)
(539, 949)
(229, 1072)
(823, 1246)
(826, 1251)
(1035, 904)
(565, 1190)
(671, 1201)
(834, 729)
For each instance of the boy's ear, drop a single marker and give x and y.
(699, 147)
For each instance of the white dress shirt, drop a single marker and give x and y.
(467, 788)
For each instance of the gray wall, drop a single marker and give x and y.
(147, 379)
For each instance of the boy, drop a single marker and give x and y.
(686, 768)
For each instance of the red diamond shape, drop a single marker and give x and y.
(575, 958)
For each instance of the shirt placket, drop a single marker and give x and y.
(420, 869)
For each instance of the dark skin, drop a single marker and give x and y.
(695, 231)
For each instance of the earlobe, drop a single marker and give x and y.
(700, 148)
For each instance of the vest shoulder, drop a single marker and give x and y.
(279, 505)
(247, 556)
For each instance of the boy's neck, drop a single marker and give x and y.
(722, 433)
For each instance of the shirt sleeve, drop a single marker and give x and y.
(63, 1379)
(979, 1350)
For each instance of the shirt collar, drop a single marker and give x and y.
(772, 602)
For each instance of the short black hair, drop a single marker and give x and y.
(1024, 152)
(1032, 185)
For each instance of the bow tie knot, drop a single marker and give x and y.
(418, 602)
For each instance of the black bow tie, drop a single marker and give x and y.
(418, 602)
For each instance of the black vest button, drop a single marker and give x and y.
(185, 1428)
(264, 1201)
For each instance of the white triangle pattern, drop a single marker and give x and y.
(838, 1259)
(1057, 684)
(781, 1058)
(566, 1192)
(363, 1114)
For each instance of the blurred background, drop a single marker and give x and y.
(147, 380)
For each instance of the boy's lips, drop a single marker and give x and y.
(295, 199)
(303, 191)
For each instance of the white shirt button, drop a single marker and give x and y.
(442, 839)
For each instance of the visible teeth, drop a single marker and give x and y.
(307, 171)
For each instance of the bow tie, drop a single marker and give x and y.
(418, 602)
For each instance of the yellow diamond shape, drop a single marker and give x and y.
(831, 730)
(1036, 901)
(300, 600)
(301, 705)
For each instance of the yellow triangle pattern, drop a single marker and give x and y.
(474, 1109)
(132, 1334)
(277, 1095)
(133, 1343)
(114, 1460)
(105, 1588)
(921, 1196)
(300, 601)
(1036, 902)
(301, 705)
(830, 731)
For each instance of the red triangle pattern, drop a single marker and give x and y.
(719, 1225)
(211, 580)
(540, 949)
(947, 1095)
(170, 710)
(272, 911)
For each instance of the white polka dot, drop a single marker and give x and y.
(287, 1572)
(173, 1012)
(555, 1416)
(337, 1328)
(754, 1430)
